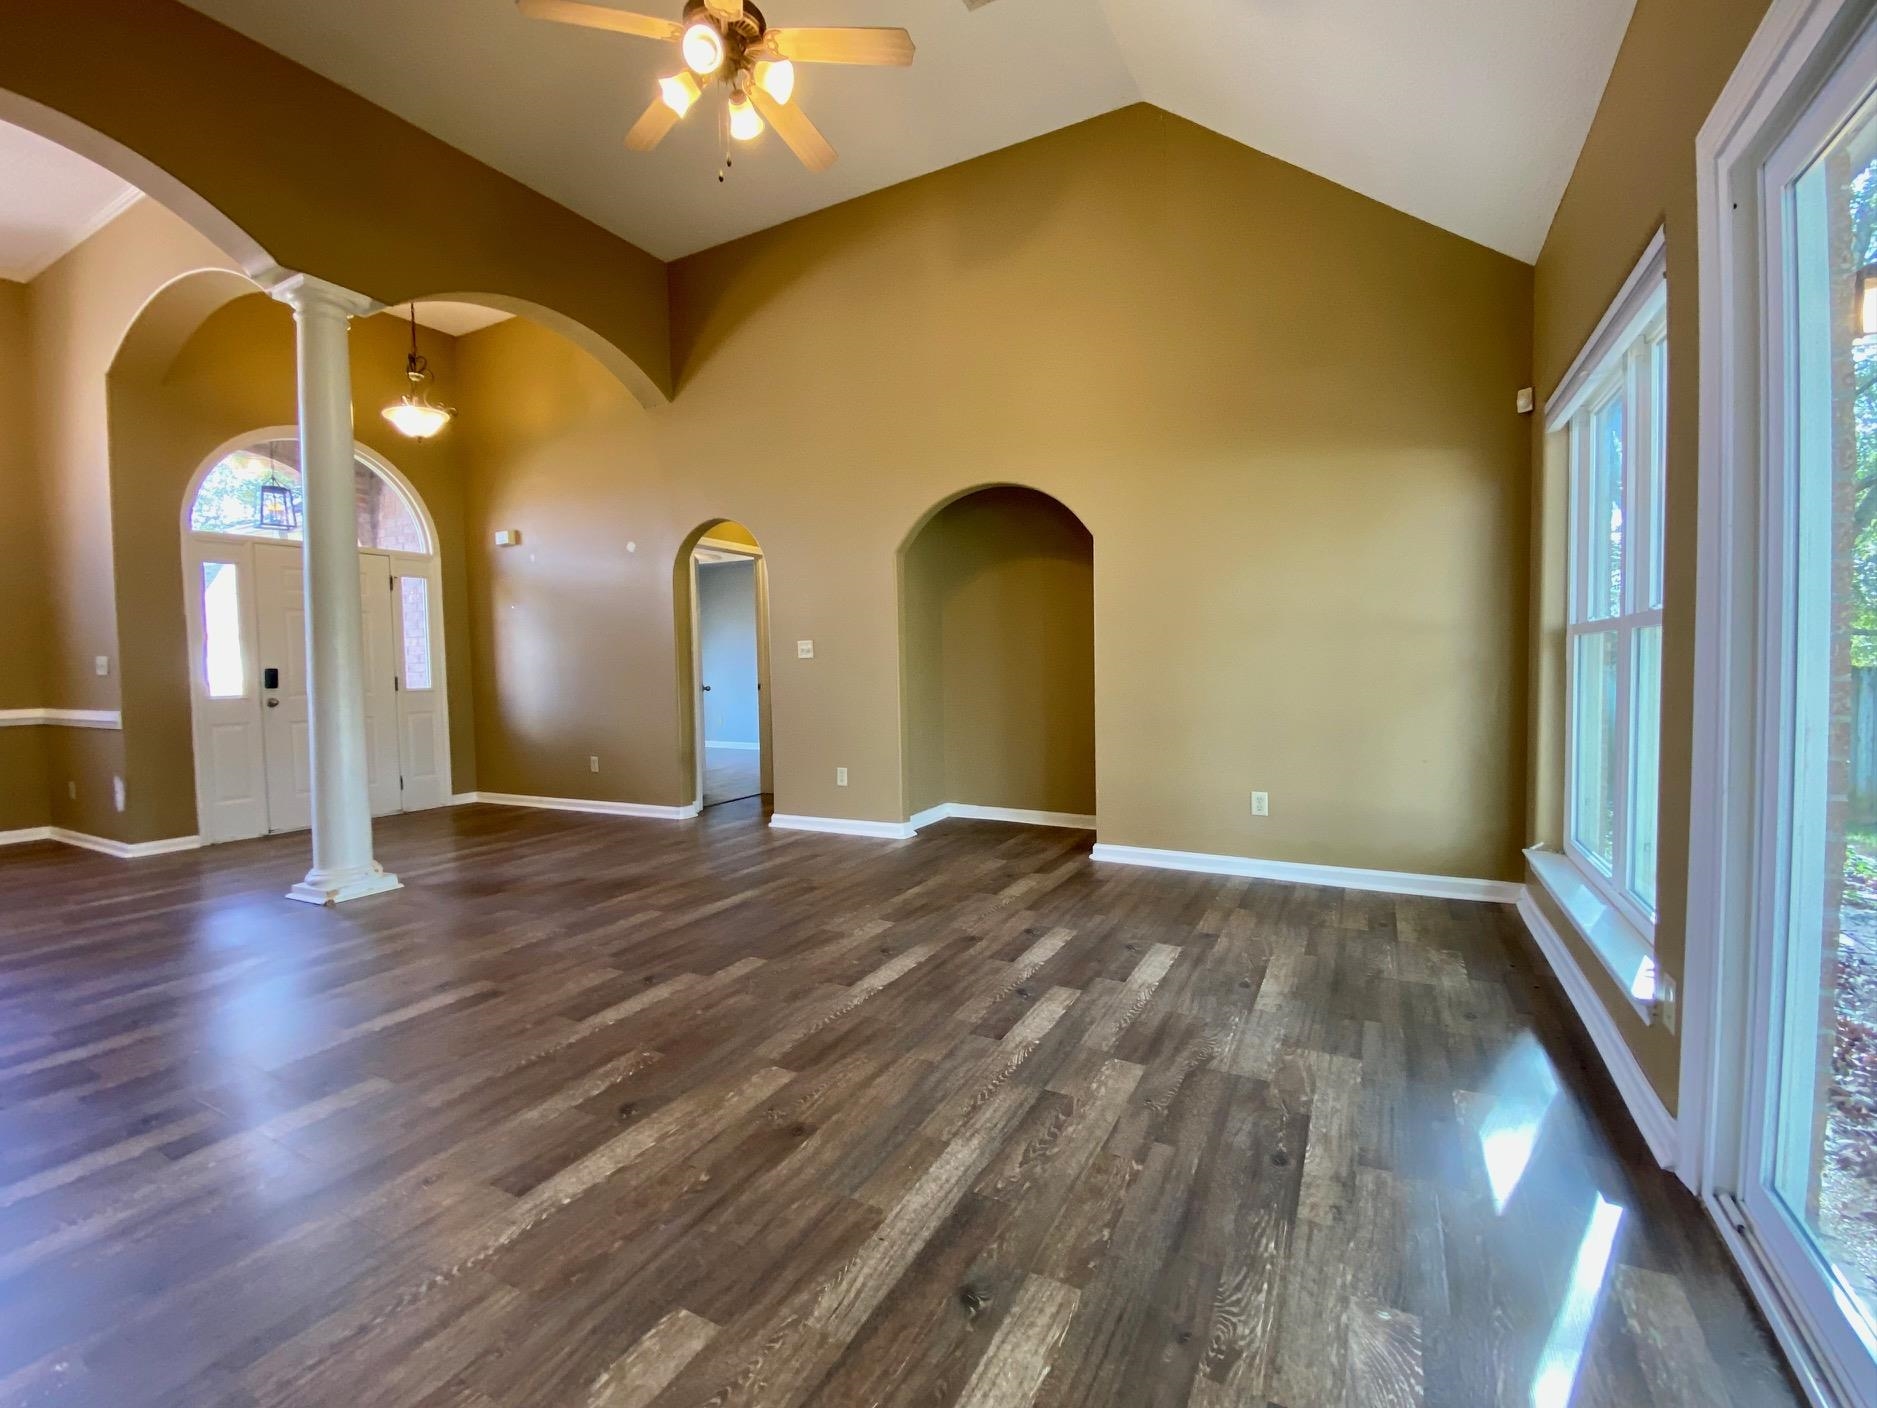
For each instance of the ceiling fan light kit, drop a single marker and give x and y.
(729, 41)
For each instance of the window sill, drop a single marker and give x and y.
(1623, 950)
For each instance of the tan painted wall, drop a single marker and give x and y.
(1636, 173)
(998, 631)
(23, 800)
(1156, 326)
(235, 375)
(248, 144)
(79, 310)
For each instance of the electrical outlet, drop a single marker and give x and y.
(1261, 804)
(593, 763)
(1667, 1004)
(71, 790)
(840, 777)
(102, 664)
(117, 792)
(804, 650)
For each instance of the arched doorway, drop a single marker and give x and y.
(243, 582)
(997, 640)
(723, 581)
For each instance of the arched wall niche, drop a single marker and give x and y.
(997, 651)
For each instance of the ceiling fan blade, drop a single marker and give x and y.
(652, 126)
(842, 46)
(600, 17)
(729, 11)
(792, 125)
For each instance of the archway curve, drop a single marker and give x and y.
(174, 312)
(628, 372)
(360, 451)
(940, 505)
(684, 623)
(155, 183)
(996, 651)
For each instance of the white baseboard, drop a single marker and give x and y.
(1645, 1106)
(581, 804)
(1073, 821)
(742, 747)
(104, 846)
(843, 826)
(458, 799)
(1391, 882)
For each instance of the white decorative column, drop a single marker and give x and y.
(343, 868)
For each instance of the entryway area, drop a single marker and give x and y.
(244, 585)
(730, 649)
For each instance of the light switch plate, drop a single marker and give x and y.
(804, 650)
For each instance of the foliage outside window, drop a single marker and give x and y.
(228, 500)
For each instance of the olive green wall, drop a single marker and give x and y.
(1636, 174)
(1157, 327)
(998, 634)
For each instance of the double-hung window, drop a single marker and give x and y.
(1616, 426)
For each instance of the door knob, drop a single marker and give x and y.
(273, 703)
(707, 689)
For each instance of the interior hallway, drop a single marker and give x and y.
(616, 1112)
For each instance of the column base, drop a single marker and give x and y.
(330, 888)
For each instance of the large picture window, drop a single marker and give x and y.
(1615, 429)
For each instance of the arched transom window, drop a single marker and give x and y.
(255, 492)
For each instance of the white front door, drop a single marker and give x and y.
(423, 736)
(280, 617)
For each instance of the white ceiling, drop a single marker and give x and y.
(1467, 113)
(456, 319)
(50, 199)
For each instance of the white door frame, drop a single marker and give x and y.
(1743, 645)
(217, 547)
(763, 730)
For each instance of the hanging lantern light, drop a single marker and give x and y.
(276, 509)
(415, 414)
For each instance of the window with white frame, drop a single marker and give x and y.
(1616, 423)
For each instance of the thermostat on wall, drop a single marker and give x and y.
(507, 537)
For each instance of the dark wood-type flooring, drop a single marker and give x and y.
(612, 1113)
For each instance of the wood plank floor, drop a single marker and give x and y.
(609, 1113)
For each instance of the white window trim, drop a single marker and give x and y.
(1618, 359)
(1737, 624)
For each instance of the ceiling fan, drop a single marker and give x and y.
(730, 40)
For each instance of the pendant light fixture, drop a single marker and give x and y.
(414, 414)
(275, 510)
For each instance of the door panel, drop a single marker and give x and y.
(381, 705)
(285, 720)
(280, 610)
(423, 727)
(224, 679)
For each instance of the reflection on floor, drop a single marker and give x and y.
(730, 774)
(602, 1111)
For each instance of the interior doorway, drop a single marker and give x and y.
(244, 588)
(730, 665)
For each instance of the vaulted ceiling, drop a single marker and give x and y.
(1466, 113)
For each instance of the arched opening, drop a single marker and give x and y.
(721, 586)
(997, 642)
(243, 584)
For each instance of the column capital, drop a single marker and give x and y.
(306, 293)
